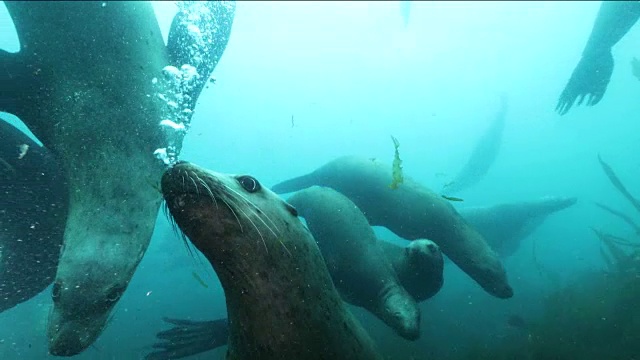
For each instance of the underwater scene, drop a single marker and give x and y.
(398, 180)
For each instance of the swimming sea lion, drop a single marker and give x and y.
(360, 271)
(411, 211)
(33, 210)
(281, 302)
(419, 268)
(504, 226)
(484, 153)
(592, 74)
(94, 105)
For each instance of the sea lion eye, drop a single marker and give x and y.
(114, 294)
(55, 293)
(249, 183)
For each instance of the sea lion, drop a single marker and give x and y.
(411, 211)
(504, 226)
(360, 271)
(419, 268)
(33, 210)
(281, 302)
(591, 76)
(93, 105)
(484, 153)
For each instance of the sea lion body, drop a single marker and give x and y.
(281, 302)
(360, 271)
(411, 211)
(33, 210)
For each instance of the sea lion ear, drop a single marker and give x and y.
(291, 209)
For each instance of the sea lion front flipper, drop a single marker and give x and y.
(189, 338)
(592, 74)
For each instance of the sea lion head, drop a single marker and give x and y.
(76, 319)
(86, 291)
(217, 212)
(108, 229)
(401, 311)
(426, 263)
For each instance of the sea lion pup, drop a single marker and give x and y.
(591, 76)
(281, 302)
(419, 266)
(33, 210)
(504, 226)
(94, 105)
(412, 212)
(360, 271)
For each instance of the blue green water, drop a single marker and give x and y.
(349, 75)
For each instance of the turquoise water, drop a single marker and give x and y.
(301, 83)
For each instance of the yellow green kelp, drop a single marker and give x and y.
(396, 168)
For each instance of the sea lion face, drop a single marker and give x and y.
(425, 259)
(80, 314)
(403, 314)
(212, 208)
(84, 295)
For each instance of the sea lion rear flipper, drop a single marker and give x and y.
(592, 74)
(189, 338)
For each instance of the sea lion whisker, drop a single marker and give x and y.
(234, 214)
(246, 201)
(258, 215)
(252, 223)
(194, 184)
(176, 229)
(206, 187)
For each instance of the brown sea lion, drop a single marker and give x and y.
(412, 211)
(418, 265)
(281, 301)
